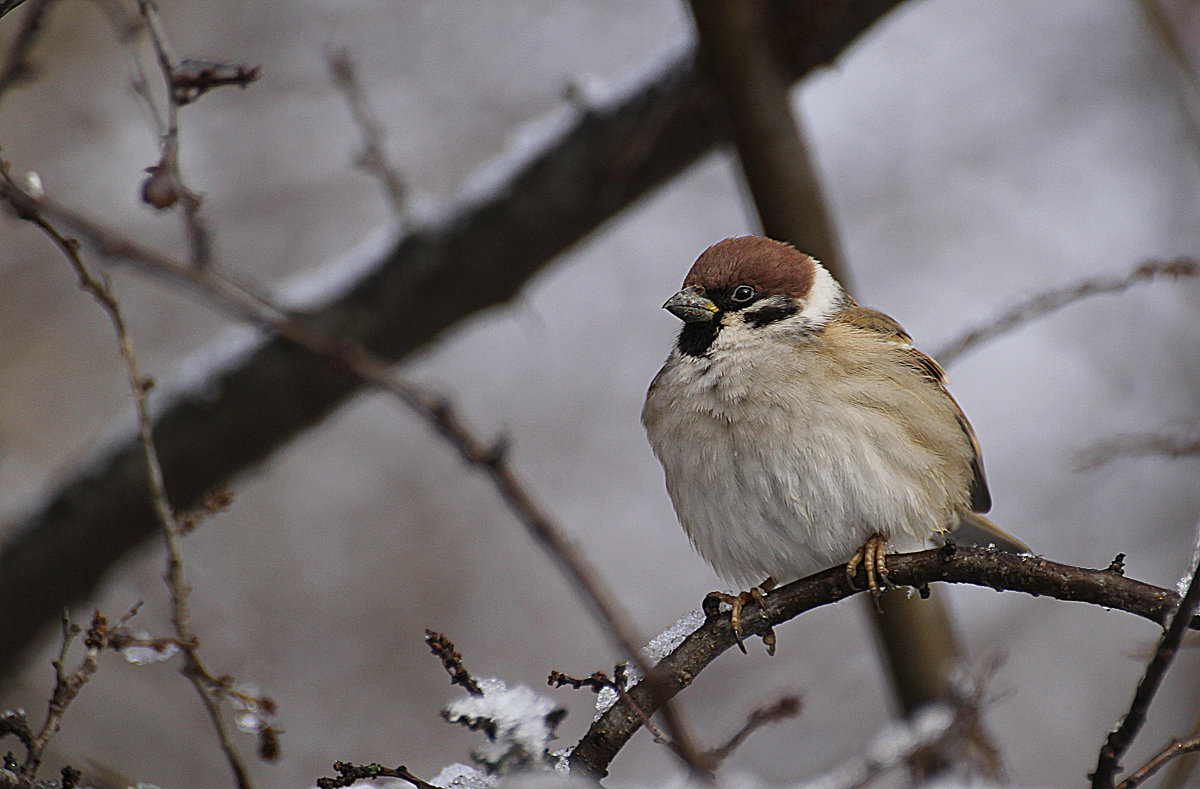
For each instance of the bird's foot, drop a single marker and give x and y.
(738, 601)
(872, 556)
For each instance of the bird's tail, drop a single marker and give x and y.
(975, 529)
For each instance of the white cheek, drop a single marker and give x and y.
(824, 299)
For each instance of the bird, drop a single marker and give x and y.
(798, 430)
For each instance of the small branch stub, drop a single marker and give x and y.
(452, 660)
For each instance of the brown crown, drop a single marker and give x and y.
(770, 267)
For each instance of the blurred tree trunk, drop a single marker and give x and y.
(916, 637)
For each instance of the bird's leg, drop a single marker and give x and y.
(872, 556)
(738, 601)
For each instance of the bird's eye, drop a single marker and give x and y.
(742, 294)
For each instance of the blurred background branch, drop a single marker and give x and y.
(917, 642)
(475, 254)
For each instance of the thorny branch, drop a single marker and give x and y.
(1123, 735)
(1032, 575)
(1052, 300)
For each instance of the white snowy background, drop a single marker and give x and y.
(975, 153)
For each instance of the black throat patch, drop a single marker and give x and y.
(696, 339)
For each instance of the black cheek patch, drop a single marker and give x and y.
(769, 313)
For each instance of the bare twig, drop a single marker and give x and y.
(443, 649)
(66, 687)
(937, 728)
(596, 682)
(476, 253)
(372, 159)
(599, 681)
(164, 186)
(208, 688)
(349, 774)
(191, 78)
(1180, 774)
(437, 411)
(1166, 444)
(125, 22)
(1174, 750)
(1127, 730)
(16, 66)
(1052, 300)
(994, 569)
(784, 708)
(1167, 33)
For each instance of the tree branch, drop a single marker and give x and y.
(1053, 300)
(9, 5)
(478, 254)
(1032, 575)
(1121, 737)
(16, 66)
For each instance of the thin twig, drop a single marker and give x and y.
(165, 185)
(490, 457)
(452, 660)
(372, 158)
(935, 728)
(784, 708)
(349, 774)
(66, 688)
(16, 65)
(599, 681)
(1174, 750)
(1123, 735)
(1180, 774)
(1168, 35)
(474, 253)
(208, 688)
(1164, 444)
(1052, 300)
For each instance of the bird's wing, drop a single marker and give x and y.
(875, 321)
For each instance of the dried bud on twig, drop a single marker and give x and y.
(194, 77)
(451, 659)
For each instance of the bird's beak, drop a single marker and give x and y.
(692, 306)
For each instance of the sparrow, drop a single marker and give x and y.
(798, 430)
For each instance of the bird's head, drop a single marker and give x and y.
(756, 285)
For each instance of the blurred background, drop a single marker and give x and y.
(974, 153)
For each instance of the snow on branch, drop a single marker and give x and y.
(1000, 571)
(243, 403)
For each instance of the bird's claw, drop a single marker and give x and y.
(873, 557)
(737, 602)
